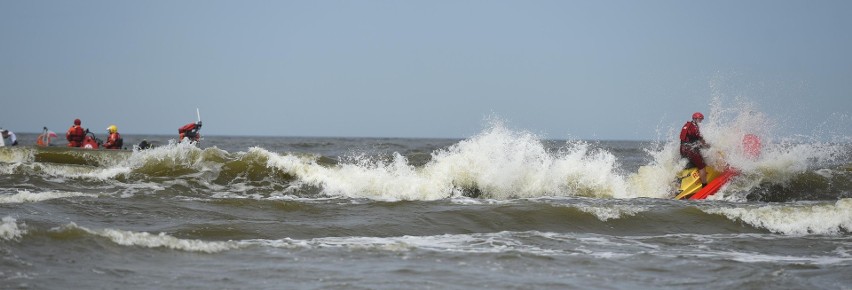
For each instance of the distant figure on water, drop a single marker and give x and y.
(13, 140)
(75, 134)
(690, 143)
(190, 131)
(145, 145)
(114, 141)
(43, 139)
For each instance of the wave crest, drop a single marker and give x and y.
(823, 219)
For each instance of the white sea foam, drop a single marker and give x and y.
(395, 181)
(499, 162)
(161, 240)
(781, 158)
(27, 196)
(16, 155)
(605, 213)
(9, 229)
(503, 164)
(171, 157)
(656, 180)
(464, 243)
(508, 164)
(763, 258)
(795, 219)
(717, 247)
(172, 154)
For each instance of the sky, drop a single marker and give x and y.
(611, 70)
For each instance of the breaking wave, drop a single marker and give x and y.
(795, 219)
(498, 163)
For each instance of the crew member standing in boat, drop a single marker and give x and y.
(13, 140)
(75, 134)
(690, 143)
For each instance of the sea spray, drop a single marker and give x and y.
(502, 164)
(498, 163)
(175, 159)
(364, 178)
(15, 155)
(781, 159)
(9, 229)
(656, 180)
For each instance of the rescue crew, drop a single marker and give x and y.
(44, 139)
(13, 140)
(114, 141)
(75, 134)
(690, 143)
(190, 131)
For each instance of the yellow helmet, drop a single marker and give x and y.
(112, 129)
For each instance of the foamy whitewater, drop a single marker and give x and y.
(504, 209)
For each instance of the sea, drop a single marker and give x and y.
(502, 209)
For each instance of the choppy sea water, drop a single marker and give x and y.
(502, 209)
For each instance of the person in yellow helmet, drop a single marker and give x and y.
(114, 141)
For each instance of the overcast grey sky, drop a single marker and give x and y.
(565, 69)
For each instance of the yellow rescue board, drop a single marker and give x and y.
(690, 182)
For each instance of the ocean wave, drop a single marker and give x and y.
(26, 196)
(605, 213)
(498, 163)
(733, 247)
(148, 240)
(9, 229)
(467, 243)
(12, 155)
(794, 219)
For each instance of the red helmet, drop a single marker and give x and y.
(697, 115)
(77, 122)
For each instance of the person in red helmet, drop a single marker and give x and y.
(690, 143)
(75, 134)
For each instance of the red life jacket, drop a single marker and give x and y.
(114, 141)
(75, 136)
(690, 134)
(190, 131)
(186, 127)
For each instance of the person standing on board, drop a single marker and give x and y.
(114, 141)
(13, 140)
(190, 131)
(75, 134)
(690, 143)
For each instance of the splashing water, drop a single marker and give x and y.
(498, 163)
(9, 229)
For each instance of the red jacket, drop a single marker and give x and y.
(690, 135)
(75, 136)
(114, 141)
(189, 131)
